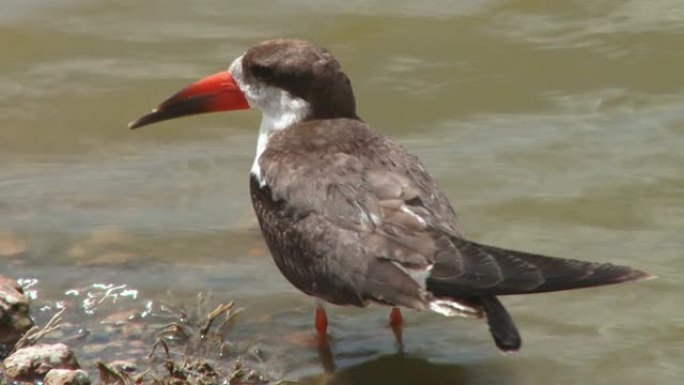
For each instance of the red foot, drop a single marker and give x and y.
(395, 318)
(396, 321)
(321, 322)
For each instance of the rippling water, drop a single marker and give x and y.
(555, 127)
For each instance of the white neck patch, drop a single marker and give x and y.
(280, 110)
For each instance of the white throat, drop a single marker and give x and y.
(280, 110)
(290, 111)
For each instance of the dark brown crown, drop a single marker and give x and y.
(305, 71)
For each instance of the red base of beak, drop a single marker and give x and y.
(217, 92)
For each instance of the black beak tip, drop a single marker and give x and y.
(172, 109)
(144, 120)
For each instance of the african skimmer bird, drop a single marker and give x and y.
(349, 215)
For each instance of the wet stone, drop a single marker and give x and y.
(67, 377)
(33, 362)
(123, 366)
(93, 349)
(14, 309)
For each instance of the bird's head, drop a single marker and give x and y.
(288, 80)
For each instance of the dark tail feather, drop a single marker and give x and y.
(586, 274)
(478, 273)
(501, 324)
(532, 273)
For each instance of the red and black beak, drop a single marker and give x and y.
(218, 92)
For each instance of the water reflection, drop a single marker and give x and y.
(325, 354)
(400, 368)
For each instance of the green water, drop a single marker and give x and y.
(555, 127)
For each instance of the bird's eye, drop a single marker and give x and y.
(261, 71)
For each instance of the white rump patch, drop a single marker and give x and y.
(418, 275)
(279, 110)
(452, 308)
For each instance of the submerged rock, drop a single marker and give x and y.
(11, 245)
(14, 313)
(106, 246)
(122, 366)
(34, 362)
(67, 377)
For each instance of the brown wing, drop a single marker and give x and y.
(381, 203)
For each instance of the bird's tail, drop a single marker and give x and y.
(483, 272)
(524, 273)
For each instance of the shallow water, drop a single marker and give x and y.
(555, 128)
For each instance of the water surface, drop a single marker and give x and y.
(555, 128)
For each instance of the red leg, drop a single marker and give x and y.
(396, 322)
(321, 321)
(323, 345)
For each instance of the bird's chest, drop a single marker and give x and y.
(278, 224)
(280, 228)
(271, 214)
